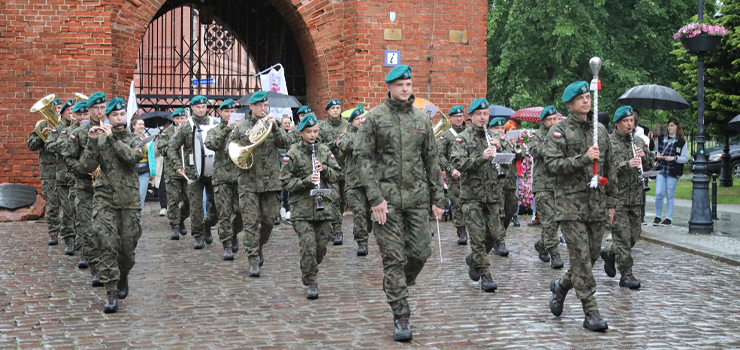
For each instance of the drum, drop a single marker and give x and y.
(203, 158)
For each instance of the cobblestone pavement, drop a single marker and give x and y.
(181, 298)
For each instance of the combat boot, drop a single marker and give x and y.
(199, 244)
(209, 237)
(228, 254)
(122, 287)
(401, 327)
(515, 221)
(53, 239)
(609, 267)
(361, 249)
(70, 249)
(487, 284)
(183, 230)
(474, 275)
(462, 236)
(304, 281)
(594, 322)
(501, 249)
(540, 248)
(111, 303)
(254, 269)
(96, 277)
(556, 262)
(175, 236)
(338, 238)
(313, 291)
(558, 297)
(629, 281)
(82, 263)
(235, 244)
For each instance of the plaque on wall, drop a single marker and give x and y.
(459, 36)
(392, 34)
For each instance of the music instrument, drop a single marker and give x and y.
(96, 173)
(80, 97)
(45, 106)
(442, 125)
(243, 156)
(643, 179)
(182, 157)
(595, 64)
(499, 171)
(203, 158)
(318, 191)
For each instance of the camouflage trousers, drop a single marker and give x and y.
(453, 194)
(198, 221)
(53, 219)
(313, 237)
(584, 247)
(485, 229)
(546, 209)
(88, 242)
(511, 204)
(404, 245)
(338, 206)
(119, 231)
(361, 213)
(67, 203)
(229, 218)
(259, 211)
(626, 229)
(177, 192)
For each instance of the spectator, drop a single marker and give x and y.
(672, 155)
(145, 168)
(159, 179)
(285, 122)
(604, 120)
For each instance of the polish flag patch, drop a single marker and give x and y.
(163, 135)
(458, 140)
(53, 130)
(442, 138)
(72, 137)
(64, 132)
(557, 134)
(332, 156)
(232, 131)
(286, 159)
(289, 131)
(141, 139)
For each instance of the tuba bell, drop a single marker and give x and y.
(47, 110)
(80, 97)
(243, 156)
(442, 125)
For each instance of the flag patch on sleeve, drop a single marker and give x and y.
(289, 132)
(442, 138)
(557, 134)
(72, 137)
(285, 159)
(332, 156)
(458, 140)
(64, 132)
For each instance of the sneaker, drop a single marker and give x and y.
(656, 222)
(562, 240)
(609, 238)
(666, 222)
(163, 212)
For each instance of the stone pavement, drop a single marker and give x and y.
(181, 298)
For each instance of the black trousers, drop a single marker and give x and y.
(162, 194)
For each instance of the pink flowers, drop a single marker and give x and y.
(695, 29)
(526, 197)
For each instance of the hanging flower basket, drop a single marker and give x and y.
(700, 38)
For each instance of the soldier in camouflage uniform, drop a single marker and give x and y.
(626, 226)
(354, 192)
(543, 183)
(446, 142)
(295, 137)
(480, 190)
(81, 115)
(330, 130)
(402, 179)
(570, 153)
(225, 186)
(511, 200)
(297, 175)
(175, 184)
(258, 186)
(117, 205)
(47, 173)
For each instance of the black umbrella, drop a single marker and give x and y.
(501, 111)
(735, 123)
(653, 97)
(156, 119)
(276, 100)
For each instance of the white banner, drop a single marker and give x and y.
(274, 80)
(131, 105)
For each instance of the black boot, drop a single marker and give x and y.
(111, 303)
(254, 269)
(609, 267)
(556, 262)
(122, 287)
(70, 249)
(629, 281)
(487, 284)
(96, 277)
(82, 263)
(53, 239)
(540, 248)
(338, 238)
(401, 328)
(501, 249)
(361, 249)
(594, 322)
(199, 244)
(558, 297)
(228, 254)
(208, 237)
(235, 244)
(313, 291)
(515, 221)
(175, 236)
(462, 236)
(182, 229)
(474, 275)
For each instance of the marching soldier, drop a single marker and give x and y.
(511, 200)
(570, 152)
(543, 183)
(176, 185)
(626, 226)
(445, 142)
(313, 226)
(402, 179)
(81, 114)
(57, 103)
(47, 173)
(480, 192)
(352, 176)
(293, 132)
(330, 129)
(225, 186)
(117, 214)
(258, 185)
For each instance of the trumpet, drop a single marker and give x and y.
(499, 171)
(318, 191)
(643, 179)
(51, 116)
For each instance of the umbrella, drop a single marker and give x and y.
(735, 123)
(653, 97)
(501, 111)
(156, 119)
(276, 99)
(420, 103)
(531, 114)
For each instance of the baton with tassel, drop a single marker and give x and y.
(595, 64)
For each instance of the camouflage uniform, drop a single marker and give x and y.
(116, 203)
(175, 184)
(259, 186)
(312, 227)
(294, 135)
(480, 194)
(398, 157)
(47, 173)
(225, 185)
(626, 227)
(581, 211)
(354, 192)
(56, 143)
(446, 142)
(329, 132)
(542, 184)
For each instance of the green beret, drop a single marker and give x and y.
(180, 112)
(80, 107)
(115, 104)
(548, 111)
(96, 99)
(304, 110)
(623, 112)
(576, 89)
(228, 104)
(308, 121)
(456, 110)
(498, 121)
(333, 102)
(56, 102)
(67, 104)
(478, 103)
(398, 72)
(259, 96)
(356, 113)
(198, 100)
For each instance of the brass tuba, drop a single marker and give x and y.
(243, 156)
(45, 106)
(442, 125)
(80, 97)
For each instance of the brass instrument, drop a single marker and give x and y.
(442, 125)
(318, 192)
(45, 106)
(243, 156)
(80, 97)
(499, 171)
(643, 179)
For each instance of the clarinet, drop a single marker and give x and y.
(501, 173)
(645, 186)
(319, 197)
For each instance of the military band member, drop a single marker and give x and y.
(497, 127)
(225, 186)
(259, 186)
(330, 129)
(297, 176)
(445, 142)
(47, 174)
(176, 185)
(81, 115)
(626, 226)
(543, 183)
(117, 213)
(510, 183)
(293, 132)
(402, 179)
(57, 103)
(570, 152)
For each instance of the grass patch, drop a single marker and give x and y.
(725, 195)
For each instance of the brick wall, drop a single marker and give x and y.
(68, 46)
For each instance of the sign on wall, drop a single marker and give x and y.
(392, 58)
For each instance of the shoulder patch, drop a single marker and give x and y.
(286, 159)
(72, 137)
(458, 139)
(232, 131)
(442, 138)
(289, 132)
(557, 134)
(141, 139)
(162, 134)
(332, 156)
(54, 130)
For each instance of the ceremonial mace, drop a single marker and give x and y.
(595, 64)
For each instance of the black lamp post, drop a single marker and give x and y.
(725, 177)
